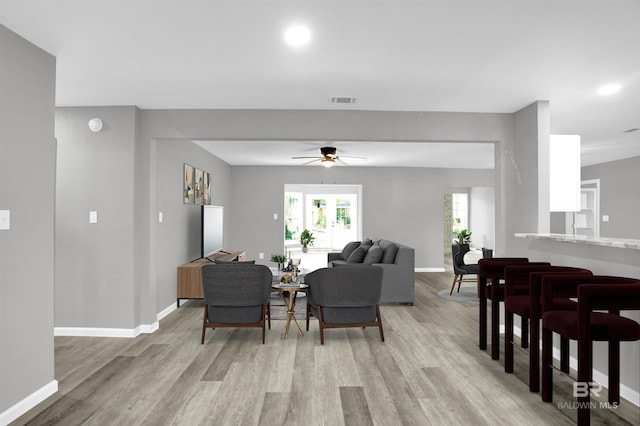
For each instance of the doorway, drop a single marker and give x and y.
(332, 213)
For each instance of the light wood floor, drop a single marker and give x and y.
(429, 371)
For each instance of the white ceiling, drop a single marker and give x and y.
(430, 55)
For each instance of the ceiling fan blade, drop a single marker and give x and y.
(312, 161)
(299, 158)
(339, 161)
(355, 158)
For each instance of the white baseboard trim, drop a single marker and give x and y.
(429, 270)
(28, 403)
(166, 311)
(115, 332)
(625, 391)
(106, 332)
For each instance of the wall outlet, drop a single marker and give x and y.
(160, 217)
(275, 216)
(605, 218)
(260, 255)
(93, 216)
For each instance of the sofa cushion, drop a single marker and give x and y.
(348, 249)
(235, 262)
(389, 253)
(357, 255)
(374, 254)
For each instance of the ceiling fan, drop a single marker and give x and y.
(328, 158)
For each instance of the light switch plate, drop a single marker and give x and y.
(93, 216)
(5, 220)
(605, 218)
(160, 217)
(275, 216)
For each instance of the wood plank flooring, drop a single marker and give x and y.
(429, 371)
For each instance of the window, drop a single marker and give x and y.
(292, 216)
(460, 213)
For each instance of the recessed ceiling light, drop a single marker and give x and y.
(297, 35)
(609, 89)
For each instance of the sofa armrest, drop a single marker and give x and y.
(331, 256)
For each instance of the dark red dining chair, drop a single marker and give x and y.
(490, 272)
(585, 325)
(520, 282)
(559, 304)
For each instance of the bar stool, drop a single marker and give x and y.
(492, 270)
(521, 281)
(586, 326)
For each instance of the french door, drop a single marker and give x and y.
(332, 218)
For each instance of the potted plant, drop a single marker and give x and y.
(280, 259)
(306, 239)
(464, 237)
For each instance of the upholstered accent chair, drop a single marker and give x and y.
(236, 295)
(587, 324)
(345, 297)
(460, 269)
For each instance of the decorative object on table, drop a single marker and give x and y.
(306, 239)
(287, 278)
(280, 259)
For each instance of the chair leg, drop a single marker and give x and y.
(524, 337)
(320, 324)
(547, 371)
(482, 321)
(564, 354)
(453, 284)
(459, 282)
(534, 357)
(584, 376)
(269, 313)
(308, 314)
(495, 322)
(264, 314)
(204, 324)
(614, 372)
(508, 342)
(379, 322)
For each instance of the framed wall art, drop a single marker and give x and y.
(188, 189)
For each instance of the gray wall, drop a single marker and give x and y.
(482, 216)
(400, 204)
(94, 262)
(27, 176)
(619, 196)
(178, 236)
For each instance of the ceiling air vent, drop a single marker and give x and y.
(343, 100)
(632, 130)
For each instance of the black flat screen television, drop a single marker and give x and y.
(212, 225)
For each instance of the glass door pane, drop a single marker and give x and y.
(333, 220)
(293, 217)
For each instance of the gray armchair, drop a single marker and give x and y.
(236, 295)
(345, 297)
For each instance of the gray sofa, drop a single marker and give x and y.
(398, 266)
